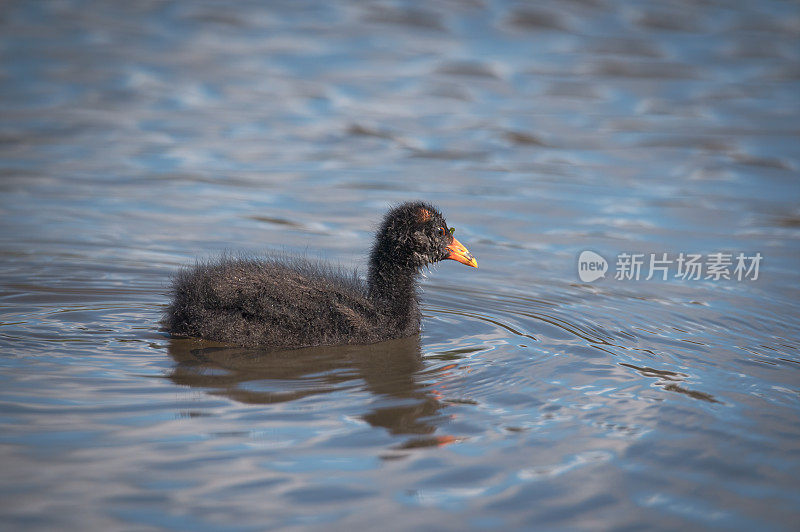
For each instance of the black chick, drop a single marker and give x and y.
(279, 303)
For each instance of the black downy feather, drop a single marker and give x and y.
(290, 302)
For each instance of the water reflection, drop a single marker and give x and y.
(390, 371)
(668, 380)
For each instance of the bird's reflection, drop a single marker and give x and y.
(389, 370)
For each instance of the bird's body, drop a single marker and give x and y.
(274, 303)
(288, 303)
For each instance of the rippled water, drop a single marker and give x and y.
(137, 136)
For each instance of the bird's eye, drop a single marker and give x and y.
(442, 231)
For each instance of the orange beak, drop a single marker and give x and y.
(461, 254)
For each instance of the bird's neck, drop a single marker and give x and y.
(393, 287)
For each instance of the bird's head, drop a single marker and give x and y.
(416, 234)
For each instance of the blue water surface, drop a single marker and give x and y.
(136, 137)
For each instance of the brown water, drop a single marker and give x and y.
(137, 136)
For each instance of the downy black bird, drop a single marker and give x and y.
(288, 303)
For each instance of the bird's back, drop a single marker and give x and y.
(273, 303)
